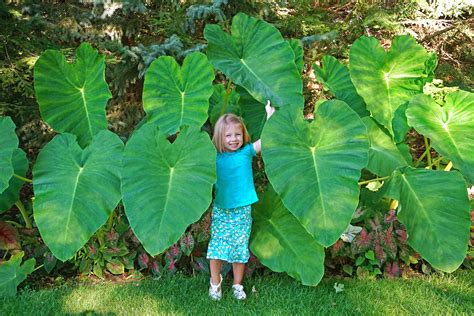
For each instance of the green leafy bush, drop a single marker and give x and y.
(166, 171)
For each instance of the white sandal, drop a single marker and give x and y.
(239, 292)
(215, 291)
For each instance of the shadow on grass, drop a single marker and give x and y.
(270, 294)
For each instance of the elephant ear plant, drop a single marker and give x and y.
(76, 177)
(166, 187)
(432, 204)
(314, 167)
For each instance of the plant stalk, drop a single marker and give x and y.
(110, 221)
(449, 166)
(24, 213)
(417, 162)
(437, 161)
(427, 150)
(393, 204)
(13, 223)
(226, 96)
(373, 180)
(23, 178)
(38, 267)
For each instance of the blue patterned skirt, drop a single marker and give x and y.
(230, 233)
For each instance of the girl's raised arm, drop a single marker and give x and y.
(257, 146)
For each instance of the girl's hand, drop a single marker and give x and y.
(269, 109)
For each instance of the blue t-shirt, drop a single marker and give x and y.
(234, 186)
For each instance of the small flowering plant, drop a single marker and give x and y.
(109, 251)
(379, 249)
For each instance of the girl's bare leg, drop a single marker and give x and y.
(216, 267)
(239, 270)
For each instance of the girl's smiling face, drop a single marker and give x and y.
(233, 137)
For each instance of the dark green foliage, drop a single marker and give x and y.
(133, 62)
(203, 12)
(132, 37)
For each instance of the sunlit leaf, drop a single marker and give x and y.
(298, 50)
(257, 58)
(166, 187)
(280, 242)
(174, 96)
(335, 77)
(435, 212)
(450, 127)
(72, 97)
(75, 190)
(315, 167)
(388, 80)
(384, 155)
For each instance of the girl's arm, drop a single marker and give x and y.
(257, 146)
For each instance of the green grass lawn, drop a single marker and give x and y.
(273, 294)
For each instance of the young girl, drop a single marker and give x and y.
(234, 193)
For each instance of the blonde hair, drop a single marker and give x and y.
(219, 130)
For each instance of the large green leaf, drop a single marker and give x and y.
(72, 97)
(174, 96)
(384, 155)
(221, 103)
(315, 166)
(75, 189)
(257, 58)
(10, 195)
(335, 77)
(253, 113)
(166, 187)
(282, 244)
(298, 50)
(12, 273)
(450, 127)
(387, 80)
(435, 212)
(8, 144)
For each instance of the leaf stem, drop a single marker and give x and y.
(373, 180)
(449, 166)
(110, 221)
(24, 213)
(393, 204)
(417, 162)
(226, 97)
(38, 267)
(23, 178)
(13, 223)
(427, 150)
(437, 161)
